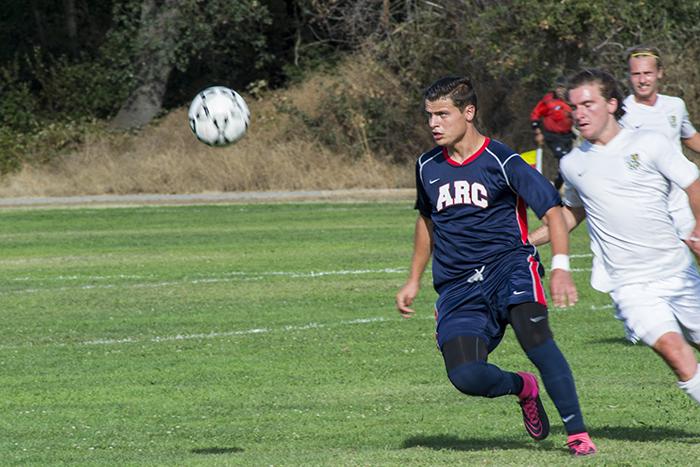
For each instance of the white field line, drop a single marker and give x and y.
(227, 277)
(243, 332)
(208, 335)
(246, 332)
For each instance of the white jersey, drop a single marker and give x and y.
(668, 115)
(623, 187)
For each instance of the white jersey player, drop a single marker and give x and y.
(619, 180)
(647, 109)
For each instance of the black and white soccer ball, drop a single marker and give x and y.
(219, 116)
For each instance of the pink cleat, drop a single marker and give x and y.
(534, 416)
(580, 444)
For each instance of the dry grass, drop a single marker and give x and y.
(166, 158)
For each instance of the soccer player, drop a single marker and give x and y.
(619, 179)
(647, 109)
(472, 193)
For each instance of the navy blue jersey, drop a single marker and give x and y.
(478, 207)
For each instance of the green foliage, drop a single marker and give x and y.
(515, 49)
(18, 108)
(12, 152)
(221, 42)
(43, 143)
(99, 96)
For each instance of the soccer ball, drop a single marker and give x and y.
(218, 116)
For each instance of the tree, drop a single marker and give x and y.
(179, 35)
(157, 37)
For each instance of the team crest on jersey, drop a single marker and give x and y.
(633, 161)
(672, 120)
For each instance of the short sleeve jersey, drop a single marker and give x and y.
(668, 115)
(478, 208)
(624, 187)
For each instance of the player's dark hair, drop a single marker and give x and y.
(644, 51)
(609, 88)
(457, 88)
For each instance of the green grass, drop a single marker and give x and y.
(267, 335)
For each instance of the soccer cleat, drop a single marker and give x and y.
(534, 416)
(580, 444)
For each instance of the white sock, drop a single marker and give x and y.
(692, 386)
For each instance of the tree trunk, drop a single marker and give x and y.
(39, 21)
(157, 38)
(386, 16)
(71, 26)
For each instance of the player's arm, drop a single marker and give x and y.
(573, 216)
(561, 285)
(693, 191)
(536, 122)
(692, 143)
(422, 249)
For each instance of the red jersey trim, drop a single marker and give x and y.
(521, 214)
(537, 287)
(469, 159)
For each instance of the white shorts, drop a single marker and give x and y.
(650, 310)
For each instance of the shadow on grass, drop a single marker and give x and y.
(646, 433)
(465, 444)
(216, 450)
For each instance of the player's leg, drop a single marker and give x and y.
(466, 332)
(531, 326)
(660, 315)
(467, 368)
(521, 296)
(679, 356)
(686, 308)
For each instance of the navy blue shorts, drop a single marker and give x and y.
(479, 304)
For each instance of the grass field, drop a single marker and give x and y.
(265, 334)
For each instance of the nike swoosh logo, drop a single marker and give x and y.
(537, 319)
(433, 181)
(518, 292)
(568, 418)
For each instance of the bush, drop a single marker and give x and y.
(363, 110)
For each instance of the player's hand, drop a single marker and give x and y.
(693, 241)
(405, 297)
(562, 288)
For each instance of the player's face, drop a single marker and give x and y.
(447, 123)
(644, 77)
(592, 113)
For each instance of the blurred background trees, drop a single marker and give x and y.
(67, 65)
